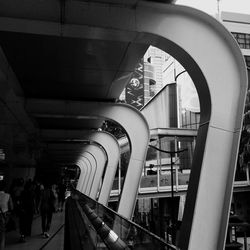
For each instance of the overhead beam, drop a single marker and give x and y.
(77, 20)
(48, 28)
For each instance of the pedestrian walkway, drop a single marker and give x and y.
(36, 241)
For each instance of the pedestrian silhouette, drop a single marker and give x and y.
(47, 207)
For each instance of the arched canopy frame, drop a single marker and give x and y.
(85, 166)
(109, 144)
(138, 136)
(97, 157)
(214, 61)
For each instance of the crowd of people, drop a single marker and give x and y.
(24, 200)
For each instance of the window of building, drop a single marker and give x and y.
(242, 39)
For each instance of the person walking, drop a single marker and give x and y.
(27, 209)
(6, 206)
(55, 192)
(61, 196)
(16, 190)
(47, 207)
(38, 187)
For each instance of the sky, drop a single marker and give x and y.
(211, 7)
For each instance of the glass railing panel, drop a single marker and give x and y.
(183, 179)
(151, 182)
(154, 182)
(167, 178)
(148, 181)
(121, 230)
(78, 233)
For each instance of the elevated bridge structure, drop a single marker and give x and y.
(63, 65)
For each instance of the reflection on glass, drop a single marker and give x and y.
(107, 227)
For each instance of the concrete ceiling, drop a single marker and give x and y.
(65, 50)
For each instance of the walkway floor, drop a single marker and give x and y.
(36, 241)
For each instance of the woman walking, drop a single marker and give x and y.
(47, 207)
(6, 206)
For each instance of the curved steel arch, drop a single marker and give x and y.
(97, 157)
(109, 144)
(100, 156)
(138, 136)
(186, 33)
(111, 147)
(86, 176)
(219, 68)
(85, 172)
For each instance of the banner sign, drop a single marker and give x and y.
(135, 88)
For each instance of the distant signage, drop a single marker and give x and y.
(135, 88)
